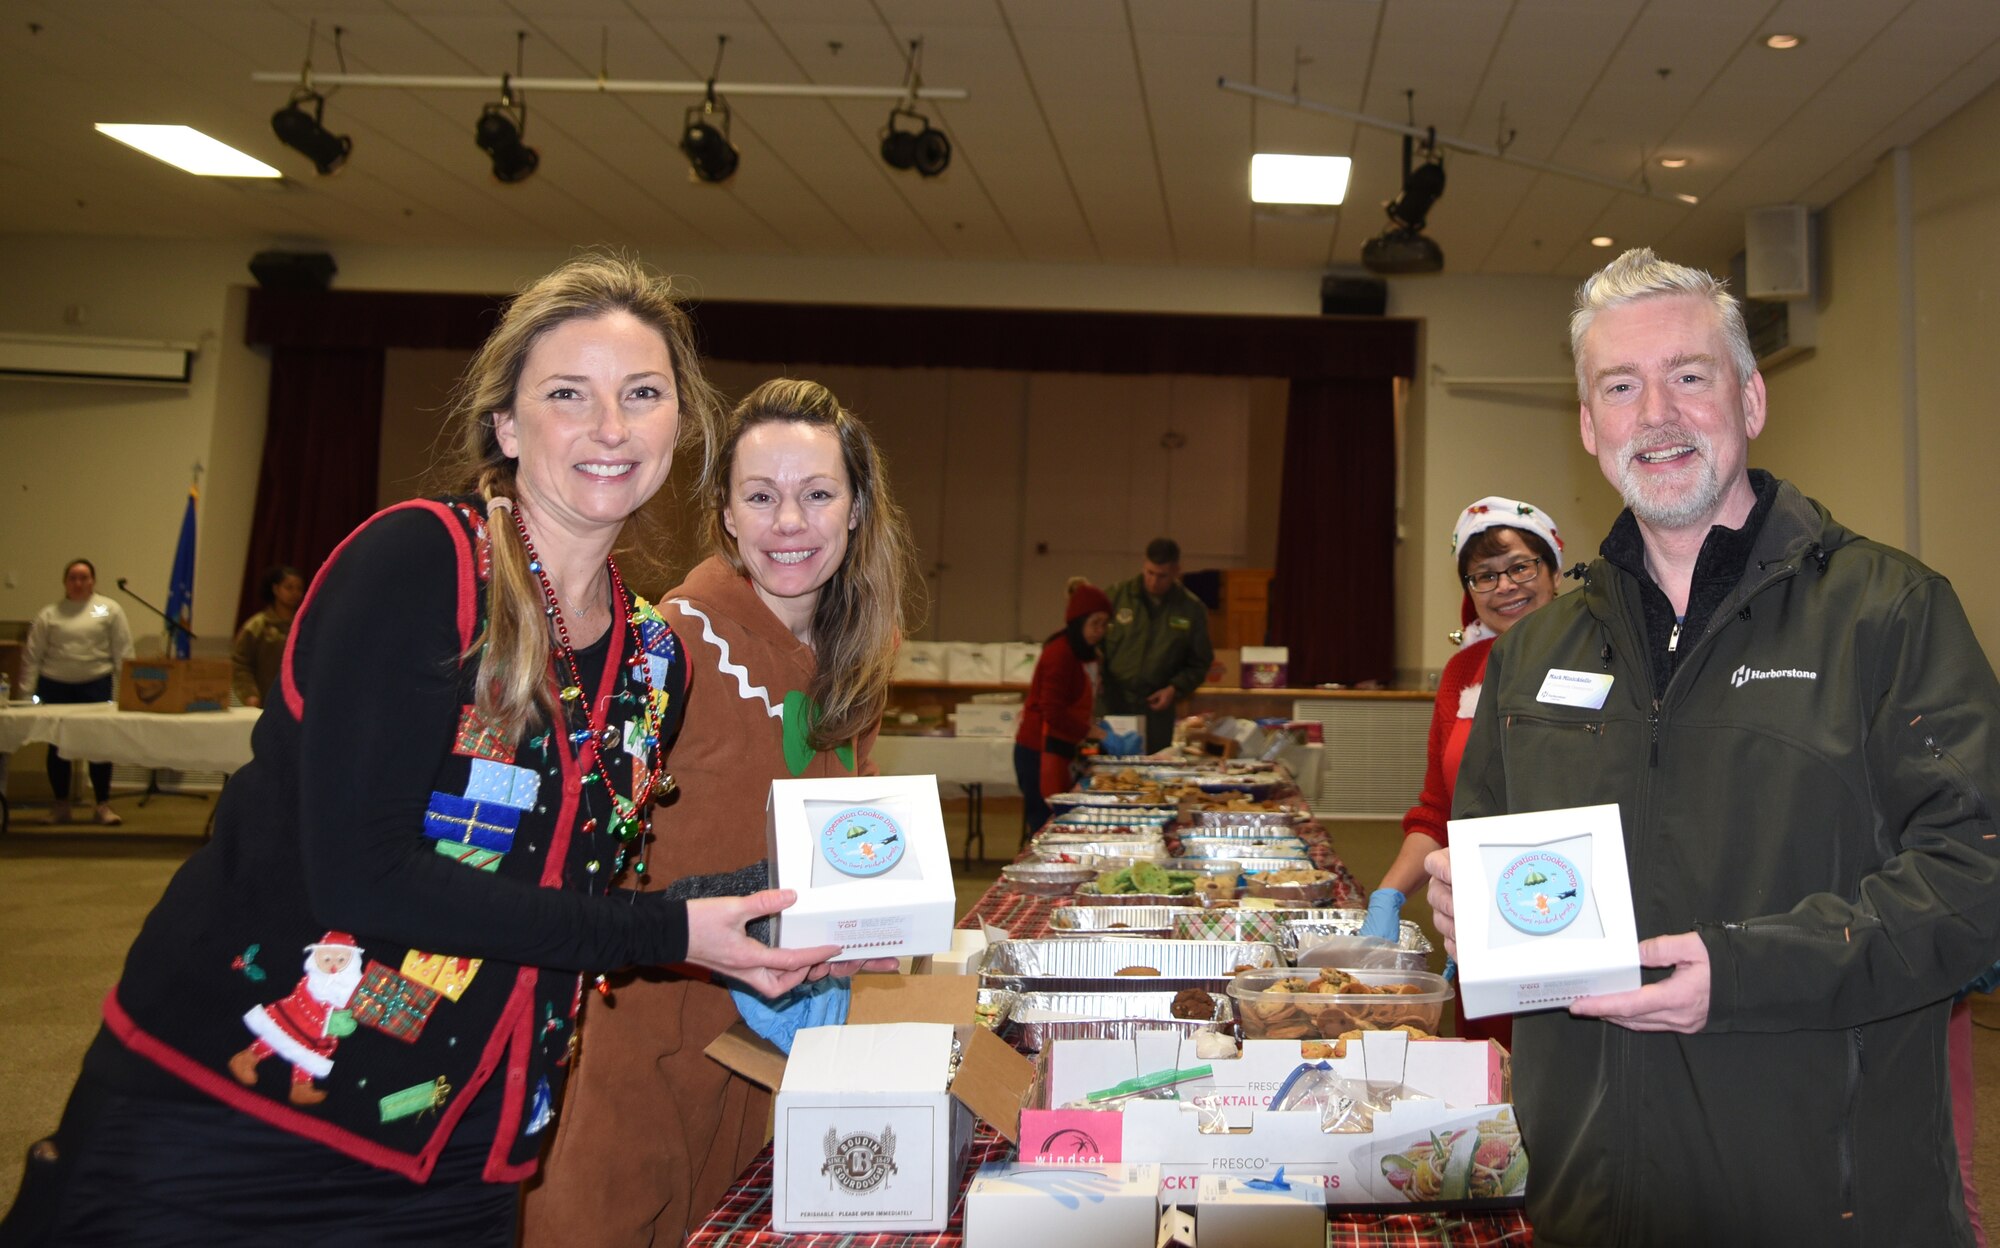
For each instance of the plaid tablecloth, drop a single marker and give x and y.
(743, 1220)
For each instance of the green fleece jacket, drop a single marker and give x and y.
(1810, 792)
(1152, 643)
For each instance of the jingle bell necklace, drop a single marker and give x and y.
(627, 829)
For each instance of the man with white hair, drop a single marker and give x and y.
(1800, 735)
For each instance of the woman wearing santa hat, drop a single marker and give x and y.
(1509, 554)
(1055, 717)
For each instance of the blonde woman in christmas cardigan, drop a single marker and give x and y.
(467, 740)
(790, 629)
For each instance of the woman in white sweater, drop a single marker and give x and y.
(75, 647)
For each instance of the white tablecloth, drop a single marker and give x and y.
(101, 733)
(957, 760)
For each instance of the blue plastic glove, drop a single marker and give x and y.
(822, 1003)
(1385, 914)
(1121, 743)
(1450, 969)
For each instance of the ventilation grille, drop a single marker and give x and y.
(1373, 764)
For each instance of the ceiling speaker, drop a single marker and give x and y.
(293, 270)
(1352, 296)
(1778, 252)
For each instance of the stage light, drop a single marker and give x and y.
(705, 141)
(499, 132)
(1402, 247)
(306, 133)
(925, 149)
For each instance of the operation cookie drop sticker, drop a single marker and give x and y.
(1539, 892)
(861, 841)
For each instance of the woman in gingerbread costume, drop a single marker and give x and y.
(790, 627)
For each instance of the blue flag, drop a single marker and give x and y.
(180, 585)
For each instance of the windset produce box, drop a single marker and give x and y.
(1266, 667)
(172, 686)
(868, 1136)
(987, 719)
(868, 858)
(1544, 909)
(1456, 1144)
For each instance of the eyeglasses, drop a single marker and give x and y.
(1519, 573)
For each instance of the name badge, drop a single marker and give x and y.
(1585, 689)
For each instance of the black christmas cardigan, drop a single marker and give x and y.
(348, 822)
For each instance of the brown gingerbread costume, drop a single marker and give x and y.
(653, 1132)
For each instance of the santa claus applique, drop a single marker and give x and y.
(305, 1027)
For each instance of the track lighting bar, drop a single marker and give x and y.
(1458, 145)
(622, 86)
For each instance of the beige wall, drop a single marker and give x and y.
(1836, 417)
(101, 471)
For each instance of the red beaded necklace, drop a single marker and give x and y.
(632, 825)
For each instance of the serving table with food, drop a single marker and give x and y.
(1194, 908)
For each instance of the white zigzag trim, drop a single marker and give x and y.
(748, 692)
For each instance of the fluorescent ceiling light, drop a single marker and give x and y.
(1276, 179)
(185, 147)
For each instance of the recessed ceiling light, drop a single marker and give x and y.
(1673, 162)
(1686, 198)
(1602, 240)
(1278, 179)
(185, 147)
(1783, 42)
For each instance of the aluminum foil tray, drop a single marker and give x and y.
(1244, 822)
(1114, 817)
(1087, 895)
(1256, 791)
(996, 1006)
(1122, 798)
(1093, 965)
(1040, 1017)
(1301, 934)
(1254, 866)
(1099, 920)
(1047, 879)
(1242, 850)
(1133, 850)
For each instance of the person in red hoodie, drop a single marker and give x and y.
(1055, 720)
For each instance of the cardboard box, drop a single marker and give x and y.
(920, 662)
(1017, 661)
(973, 662)
(868, 858)
(1463, 1079)
(1010, 1204)
(967, 952)
(1259, 1213)
(172, 686)
(903, 1184)
(987, 719)
(1544, 909)
(1266, 667)
(1225, 671)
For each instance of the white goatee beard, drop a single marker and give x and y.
(1655, 502)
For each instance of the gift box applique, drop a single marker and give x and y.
(420, 1099)
(480, 737)
(391, 1004)
(444, 972)
(503, 784)
(487, 825)
(471, 855)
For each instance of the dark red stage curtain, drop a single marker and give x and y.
(1333, 600)
(322, 447)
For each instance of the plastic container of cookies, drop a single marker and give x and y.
(1379, 1001)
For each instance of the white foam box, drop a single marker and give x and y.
(1266, 667)
(987, 719)
(1504, 965)
(867, 1136)
(1010, 1204)
(904, 911)
(921, 661)
(1232, 1213)
(973, 662)
(1017, 661)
